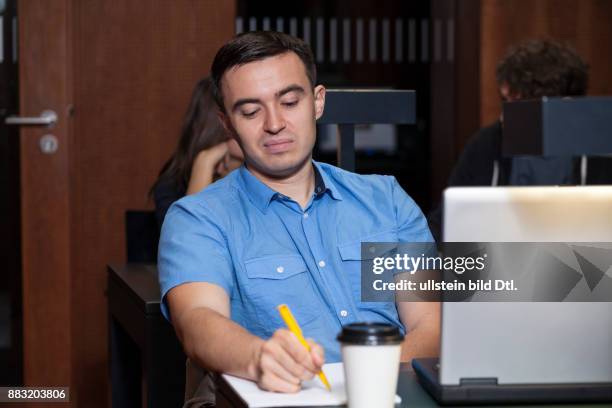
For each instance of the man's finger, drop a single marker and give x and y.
(293, 355)
(317, 353)
(269, 381)
(298, 352)
(275, 359)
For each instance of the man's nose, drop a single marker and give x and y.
(274, 121)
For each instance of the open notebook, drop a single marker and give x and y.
(313, 392)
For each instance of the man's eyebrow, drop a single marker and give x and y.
(290, 88)
(284, 91)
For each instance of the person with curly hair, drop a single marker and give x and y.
(530, 70)
(541, 68)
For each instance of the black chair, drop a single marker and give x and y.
(349, 107)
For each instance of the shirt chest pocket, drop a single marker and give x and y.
(355, 261)
(277, 279)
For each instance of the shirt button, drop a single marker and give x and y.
(322, 264)
(343, 313)
(305, 215)
(280, 269)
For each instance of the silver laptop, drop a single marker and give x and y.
(514, 346)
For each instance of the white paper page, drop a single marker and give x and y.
(312, 393)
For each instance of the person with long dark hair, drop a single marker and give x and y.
(204, 153)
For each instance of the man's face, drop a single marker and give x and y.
(507, 95)
(271, 110)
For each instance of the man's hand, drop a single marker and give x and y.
(282, 362)
(201, 317)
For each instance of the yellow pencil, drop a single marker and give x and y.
(293, 326)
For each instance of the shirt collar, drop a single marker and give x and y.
(323, 182)
(261, 195)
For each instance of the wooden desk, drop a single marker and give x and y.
(147, 364)
(408, 387)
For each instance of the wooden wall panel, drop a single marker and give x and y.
(584, 24)
(455, 90)
(467, 100)
(135, 66)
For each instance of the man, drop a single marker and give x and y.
(281, 229)
(531, 70)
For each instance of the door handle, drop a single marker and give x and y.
(46, 118)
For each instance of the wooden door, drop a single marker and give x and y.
(44, 73)
(119, 76)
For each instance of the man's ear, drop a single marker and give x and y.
(319, 100)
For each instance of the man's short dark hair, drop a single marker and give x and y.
(539, 68)
(255, 46)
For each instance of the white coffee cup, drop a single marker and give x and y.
(371, 356)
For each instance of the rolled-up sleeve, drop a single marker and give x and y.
(412, 224)
(192, 248)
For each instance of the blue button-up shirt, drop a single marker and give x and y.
(263, 249)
